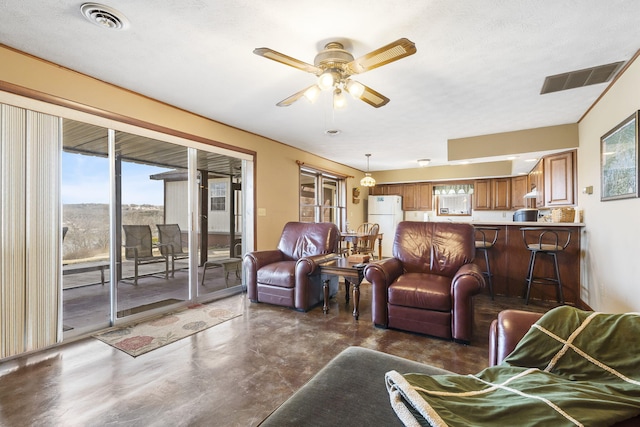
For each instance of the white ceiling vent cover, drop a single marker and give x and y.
(104, 16)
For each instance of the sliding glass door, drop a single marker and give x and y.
(85, 228)
(148, 225)
(152, 210)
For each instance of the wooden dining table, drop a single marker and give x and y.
(352, 237)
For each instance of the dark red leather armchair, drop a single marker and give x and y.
(289, 275)
(428, 285)
(508, 329)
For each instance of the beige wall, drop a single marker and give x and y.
(276, 168)
(611, 276)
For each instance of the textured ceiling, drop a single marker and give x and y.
(478, 70)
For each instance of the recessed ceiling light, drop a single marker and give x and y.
(104, 16)
(424, 162)
(531, 160)
(332, 132)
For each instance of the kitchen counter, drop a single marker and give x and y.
(509, 261)
(528, 224)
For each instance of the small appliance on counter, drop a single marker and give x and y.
(525, 215)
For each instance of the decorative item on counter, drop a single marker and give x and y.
(577, 216)
(562, 215)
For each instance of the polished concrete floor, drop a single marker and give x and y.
(233, 374)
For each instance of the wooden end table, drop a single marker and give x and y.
(353, 274)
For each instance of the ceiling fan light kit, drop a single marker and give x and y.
(334, 66)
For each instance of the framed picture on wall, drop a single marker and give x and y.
(619, 161)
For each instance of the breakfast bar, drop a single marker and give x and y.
(509, 261)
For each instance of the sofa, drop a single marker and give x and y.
(290, 275)
(428, 284)
(350, 389)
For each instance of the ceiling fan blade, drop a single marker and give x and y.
(385, 55)
(373, 98)
(286, 60)
(293, 98)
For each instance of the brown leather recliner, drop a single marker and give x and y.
(289, 275)
(508, 329)
(428, 285)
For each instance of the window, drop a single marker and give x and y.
(322, 197)
(218, 192)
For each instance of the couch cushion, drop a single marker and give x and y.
(421, 290)
(349, 390)
(280, 273)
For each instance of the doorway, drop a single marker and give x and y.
(138, 228)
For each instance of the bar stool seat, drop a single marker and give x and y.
(486, 238)
(548, 241)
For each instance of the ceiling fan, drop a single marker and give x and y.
(334, 67)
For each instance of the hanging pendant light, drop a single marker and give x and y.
(368, 180)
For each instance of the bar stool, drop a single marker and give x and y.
(484, 244)
(547, 241)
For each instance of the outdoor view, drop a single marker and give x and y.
(152, 210)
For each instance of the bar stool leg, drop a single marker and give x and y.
(488, 272)
(532, 262)
(559, 294)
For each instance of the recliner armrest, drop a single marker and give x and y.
(262, 258)
(309, 264)
(381, 274)
(506, 332)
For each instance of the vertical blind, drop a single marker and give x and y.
(30, 234)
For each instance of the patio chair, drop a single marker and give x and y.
(138, 248)
(170, 237)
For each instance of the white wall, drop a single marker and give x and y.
(611, 240)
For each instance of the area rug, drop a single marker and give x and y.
(143, 337)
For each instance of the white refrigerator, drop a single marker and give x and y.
(387, 212)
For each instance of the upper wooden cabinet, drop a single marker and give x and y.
(519, 187)
(394, 190)
(410, 197)
(425, 196)
(553, 178)
(501, 194)
(536, 179)
(559, 181)
(482, 194)
(377, 190)
(417, 197)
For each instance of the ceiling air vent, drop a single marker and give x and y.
(104, 16)
(580, 78)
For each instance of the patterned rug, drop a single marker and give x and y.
(143, 337)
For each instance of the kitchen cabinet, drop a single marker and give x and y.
(536, 178)
(394, 190)
(501, 194)
(559, 179)
(417, 197)
(409, 197)
(377, 190)
(425, 196)
(482, 194)
(519, 187)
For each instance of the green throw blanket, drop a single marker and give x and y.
(572, 368)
